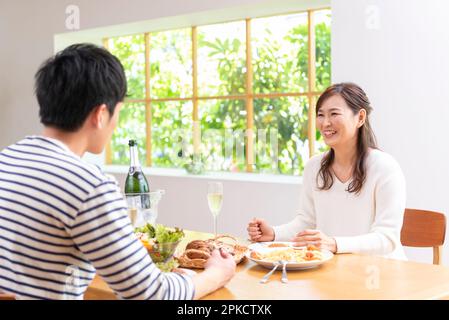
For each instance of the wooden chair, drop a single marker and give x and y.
(7, 296)
(422, 228)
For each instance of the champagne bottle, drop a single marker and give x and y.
(136, 182)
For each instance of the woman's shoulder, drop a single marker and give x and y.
(312, 166)
(379, 160)
(314, 162)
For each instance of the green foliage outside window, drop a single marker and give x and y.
(280, 65)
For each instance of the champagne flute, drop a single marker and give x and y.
(215, 200)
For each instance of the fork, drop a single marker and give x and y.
(267, 276)
(284, 271)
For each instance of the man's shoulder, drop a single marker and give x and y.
(95, 173)
(53, 157)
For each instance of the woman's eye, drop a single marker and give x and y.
(319, 115)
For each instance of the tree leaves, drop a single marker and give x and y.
(280, 64)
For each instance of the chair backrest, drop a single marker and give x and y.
(423, 228)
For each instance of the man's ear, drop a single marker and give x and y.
(99, 116)
(362, 118)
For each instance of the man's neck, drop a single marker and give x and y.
(75, 141)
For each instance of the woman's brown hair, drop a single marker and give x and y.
(356, 100)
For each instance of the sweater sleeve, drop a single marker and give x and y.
(306, 215)
(103, 233)
(384, 235)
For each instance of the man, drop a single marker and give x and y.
(61, 219)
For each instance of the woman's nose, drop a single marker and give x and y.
(324, 121)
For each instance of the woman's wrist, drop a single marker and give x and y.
(273, 234)
(334, 245)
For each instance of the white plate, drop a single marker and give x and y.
(262, 247)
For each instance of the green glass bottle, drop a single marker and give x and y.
(136, 182)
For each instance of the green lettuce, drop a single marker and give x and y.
(161, 234)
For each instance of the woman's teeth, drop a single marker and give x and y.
(329, 133)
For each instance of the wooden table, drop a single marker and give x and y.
(346, 276)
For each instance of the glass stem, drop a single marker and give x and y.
(215, 225)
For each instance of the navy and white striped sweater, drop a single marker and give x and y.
(62, 220)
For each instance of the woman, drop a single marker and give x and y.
(353, 196)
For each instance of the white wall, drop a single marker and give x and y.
(401, 59)
(185, 204)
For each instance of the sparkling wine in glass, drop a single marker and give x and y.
(215, 200)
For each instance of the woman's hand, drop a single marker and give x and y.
(317, 238)
(260, 230)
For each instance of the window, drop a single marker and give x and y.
(237, 96)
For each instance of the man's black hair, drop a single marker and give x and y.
(70, 85)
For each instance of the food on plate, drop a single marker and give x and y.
(309, 247)
(277, 245)
(197, 252)
(290, 254)
(256, 255)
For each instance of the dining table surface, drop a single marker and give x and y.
(345, 276)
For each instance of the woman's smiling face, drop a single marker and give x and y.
(337, 122)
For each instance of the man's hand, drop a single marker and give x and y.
(219, 269)
(223, 262)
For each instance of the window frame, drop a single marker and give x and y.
(249, 96)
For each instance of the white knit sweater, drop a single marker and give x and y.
(368, 223)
